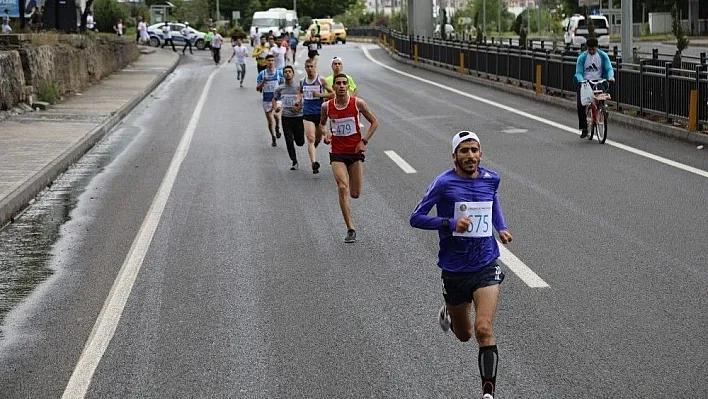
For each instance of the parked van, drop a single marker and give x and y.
(267, 21)
(292, 25)
(576, 30)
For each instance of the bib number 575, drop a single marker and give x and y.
(476, 221)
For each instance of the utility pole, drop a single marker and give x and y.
(627, 31)
(217, 11)
(295, 6)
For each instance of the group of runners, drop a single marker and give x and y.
(317, 110)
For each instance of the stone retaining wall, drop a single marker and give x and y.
(70, 62)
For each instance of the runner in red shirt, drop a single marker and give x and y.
(348, 146)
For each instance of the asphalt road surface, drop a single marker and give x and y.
(247, 290)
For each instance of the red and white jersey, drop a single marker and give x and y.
(344, 125)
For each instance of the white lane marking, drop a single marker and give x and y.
(400, 162)
(512, 130)
(627, 148)
(107, 321)
(519, 268)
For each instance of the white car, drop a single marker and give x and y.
(156, 39)
(449, 30)
(575, 30)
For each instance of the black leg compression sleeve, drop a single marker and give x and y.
(488, 359)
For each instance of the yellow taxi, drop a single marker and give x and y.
(326, 35)
(340, 33)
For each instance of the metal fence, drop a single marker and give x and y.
(651, 87)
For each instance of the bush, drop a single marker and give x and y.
(107, 13)
(381, 21)
(238, 33)
(645, 30)
(48, 92)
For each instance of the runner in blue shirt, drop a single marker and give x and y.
(268, 80)
(468, 209)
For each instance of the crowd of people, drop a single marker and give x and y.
(328, 110)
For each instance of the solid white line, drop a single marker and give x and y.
(107, 321)
(400, 162)
(627, 148)
(519, 268)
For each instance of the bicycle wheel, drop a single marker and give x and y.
(590, 121)
(602, 124)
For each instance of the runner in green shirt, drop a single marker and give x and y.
(337, 67)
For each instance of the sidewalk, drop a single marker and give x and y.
(36, 147)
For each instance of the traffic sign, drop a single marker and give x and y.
(588, 3)
(235, 15)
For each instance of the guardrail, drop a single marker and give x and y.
(650, 87)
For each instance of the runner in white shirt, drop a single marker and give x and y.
(119, 27)
(90, 23)
(278, 51)
(187, 34)
(167, 37)
(240, 53)
(216, 41)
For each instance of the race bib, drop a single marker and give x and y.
(269, 86)
(344, 126)
(289, 100)
(307, 92)
(480, 216)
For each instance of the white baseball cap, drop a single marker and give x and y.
(463, 136)
(337, 59)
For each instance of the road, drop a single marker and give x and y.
(246, 289)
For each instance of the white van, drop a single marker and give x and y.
(267, 21)
(292, 25)
(576, 30)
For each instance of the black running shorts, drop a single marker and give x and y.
(458, 287)
(312, 53)
(347, 159)
(312, 118)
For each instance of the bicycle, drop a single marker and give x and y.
(596, 112)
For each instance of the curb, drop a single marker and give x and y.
(17, 200)
(654, 127)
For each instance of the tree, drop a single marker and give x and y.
(493, 8)
(681, 40)
(399, 21)
(443, 25)
(590, 24)
(107, 14)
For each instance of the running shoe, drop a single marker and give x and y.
(295, 166)
(351, 236)
(274, 144)
(315, 168)
(444, 318)
(487, 396)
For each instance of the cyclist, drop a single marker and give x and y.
(593, 64)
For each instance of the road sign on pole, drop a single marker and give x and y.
(589, 3)
(235, 15)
